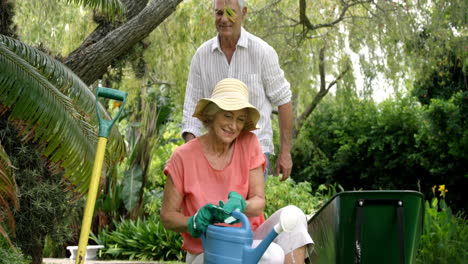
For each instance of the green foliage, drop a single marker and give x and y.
(169, 141)
(44, 205)
(8, 256)
(54, 249)
(109, 6)
(132, 184)
(146, 133)
(394, 145)
(173, 46)
(56, 108)
(444, 237)
(145, 239)
(441, 80)
(360, 145)
(443, 140)
(280, 194)
(55, 25)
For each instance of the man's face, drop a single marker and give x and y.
(228, 26)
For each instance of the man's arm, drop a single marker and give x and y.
(284, 161)
(193, 92)
(278, 91)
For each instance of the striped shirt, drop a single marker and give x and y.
(255, 63)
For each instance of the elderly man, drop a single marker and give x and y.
(235, 53)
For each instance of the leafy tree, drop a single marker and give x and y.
(443, 80)
(443, 140)
(441, 86)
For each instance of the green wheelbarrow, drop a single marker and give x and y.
(367, 227)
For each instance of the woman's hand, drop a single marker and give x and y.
(235, 201)
(198, 223)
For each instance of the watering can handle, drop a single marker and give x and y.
(243, 218)
(106, 125)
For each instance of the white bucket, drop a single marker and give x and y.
(91, 251)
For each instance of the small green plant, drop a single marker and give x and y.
(9, 256)
(280, 194)
(141, 239)
(445, 235)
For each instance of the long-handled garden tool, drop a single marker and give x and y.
(104, 131)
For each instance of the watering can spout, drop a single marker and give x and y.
(288, 222)
(253, 255)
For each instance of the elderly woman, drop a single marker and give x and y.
(225, 164)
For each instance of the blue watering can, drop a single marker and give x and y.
(233, 245)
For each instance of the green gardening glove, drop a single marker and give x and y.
(235, 201)
(198, 223)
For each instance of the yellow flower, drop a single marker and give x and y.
(434, 189)
(442, 190)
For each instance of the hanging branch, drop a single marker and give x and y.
(324, 89)
(308, 26)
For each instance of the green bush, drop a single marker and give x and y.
(444, 237)
(443, 141)
(44, 203)
(145, 239)
(280, 194)
(8, 256)
(397, 144)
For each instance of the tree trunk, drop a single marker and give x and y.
(91, 60)
(7, 13)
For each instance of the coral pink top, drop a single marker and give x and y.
(198, 183)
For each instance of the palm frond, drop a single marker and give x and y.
(7, 179)
(7, 194)
(52, 107)
(109, 7)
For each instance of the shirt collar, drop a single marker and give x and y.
(242, 42)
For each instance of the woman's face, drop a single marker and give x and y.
(227, 125)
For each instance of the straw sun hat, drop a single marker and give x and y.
(230, 95)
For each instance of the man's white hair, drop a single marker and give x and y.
(240, 2)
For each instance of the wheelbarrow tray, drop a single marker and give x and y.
(374, 232)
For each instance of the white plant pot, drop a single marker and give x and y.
(91, 251)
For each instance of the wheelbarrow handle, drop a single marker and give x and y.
(106, 125)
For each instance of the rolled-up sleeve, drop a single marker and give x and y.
(174, 168)
(277, 88)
